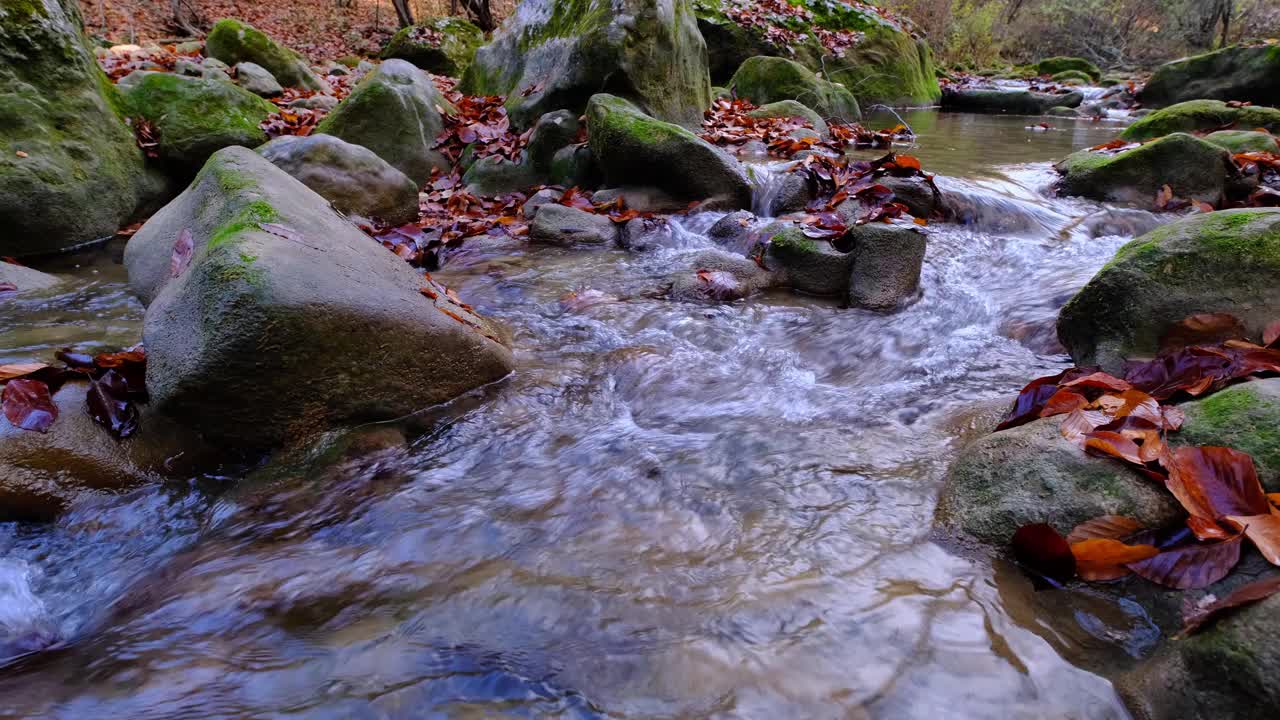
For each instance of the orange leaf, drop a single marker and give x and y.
(909, 162)
(1271, 334)
(1114, 444)
(1110, 527)
(1215, 482)
(1099, 380)
(17, 370)
(1104, 558)
(1063, 401)
(1206, 529)
(1263, 531)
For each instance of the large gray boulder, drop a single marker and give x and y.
(395, 111)
(555, 54)
(444, 45)
(257, 80)
(233, 41)
(1225, 261)
(1242, 73)
(1192, 168)
(70, 170)
(764, 80)
(632, 148)
(887, 260)
(561, 225)
(351, 177)
(232, 335)
(719, 276)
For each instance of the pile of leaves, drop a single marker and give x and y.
(836, 180)
(784, 24)
(117, 381)
(1126, 418)
(301, 121)
(729, 123)
(482, 123)
(118, 64)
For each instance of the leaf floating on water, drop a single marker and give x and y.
(28, 405)
(1194, 565)
(109, 405)
(1107, 527)
(1105, 558)
(183, 248)
(1040, 548)
(1241, 596)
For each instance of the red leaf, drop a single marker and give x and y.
(1063, 401)
(1271, 334)
(1113, 444)
(28, 405)
(1243, 595)
(1041, 549)
(1216, 482)
(1194, 565)
(183, 248)
(109, 405)
(1101, 380)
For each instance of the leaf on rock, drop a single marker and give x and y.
(28, 405)
(1263, 531)
(1113, 444)
(1108, 527)
(1202, 329)
(1241, 596)
(1215, 482)
(1194, 565)
(1101, 380)
(109, 404)
(1063, 401)
(1105, 558)
(1205, 529)
(183, 248)
(1040, 548)
(1271, 334)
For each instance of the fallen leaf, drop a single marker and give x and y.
(17, 370)
(1113, 444)
(180, 258)
(1215, 482)
(109, 404)
(21, 154)
(1108, 527)
(1040, 548)
(1202, 329)
(1241, 596)
(1194, 565)
(1206, 529)
(1105, 558)
(1263, 531)
(28, 405)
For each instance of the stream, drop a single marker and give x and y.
(670, 510)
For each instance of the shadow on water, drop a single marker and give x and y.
(669, 510)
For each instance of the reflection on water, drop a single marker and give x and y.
(670, 510)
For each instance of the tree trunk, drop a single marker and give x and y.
(404, 13)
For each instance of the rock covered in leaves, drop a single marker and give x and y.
(567, 226)
(1201, 115)
(1192, 168)
(395, 111)
(352, 177)
(1032, 474)
(791, 109)
(555, 54)
(632, 148)
(873, 54)
(246, 269)
(70, 171)
(1243, 73)
(19, 278)
(1225, 261)
(233, 41)
(998, 100)
(496, 175)
(763, 80)
(444, 46)
(192, 118)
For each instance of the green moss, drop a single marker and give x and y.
(568, 18)
(22, 11)
(791, 242)
(250, 217)
(451, 55)
(1057, 65)
(233, 41)
(1201, 115)
(194, 117)
(1068, 76)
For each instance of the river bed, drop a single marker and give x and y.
(670, 510)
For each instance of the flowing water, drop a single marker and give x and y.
(669, 511)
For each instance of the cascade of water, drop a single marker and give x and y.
(767, 182)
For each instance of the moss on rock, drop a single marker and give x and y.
(1226, 261)
(1191, 167)
(444, 46)
(1242, 141)
(233, 41)
(1201, 115)
(766, 79)
(1058, 65)
(1070, 77)
(1233, 73)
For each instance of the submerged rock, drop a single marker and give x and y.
(764, 80)
(23, 279)
(351, 177)
(632, 148)
(567, 226)
(444, 46)
(1234, 73)
(1016, 102)
(70, 170)
(231, 340)
(1201, 115)
(719, 276)
(193, 117)
(1191, 167)
(233, 42)
(555, 54)
(395, 111)
(1225, 261)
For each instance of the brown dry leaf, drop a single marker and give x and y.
(1104, 381)
(1215, 482)
(1206, 529)
(1271, 334)
(1105, 559)
(1263, 531)
(17, 370)
(1243, 595)
(1062, 402)
(1203, 329)
(21, 154)
(1194, 565)
(1107, 527)
(1113, 444)
(1081, 422)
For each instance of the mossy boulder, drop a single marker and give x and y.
(555, 54)
(232, 339)
(70, 170)
(1243, 141)
(1233, 73)
(887, 260)
(791, 109)
(764, 80)
(810, 266)
(1245, 417)
(888, 64)
(233, 41)
(352, 177)
(1032, 474)
(444, 46)
(1055, 66)
(494, 175)
(1225, 261)
(395, 111)
(1201, 115)
(632, 148)
(1013, 102)
(1192, 168)
(1072, 77)
(194, 118)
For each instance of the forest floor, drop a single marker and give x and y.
(319, 29)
